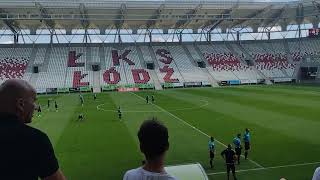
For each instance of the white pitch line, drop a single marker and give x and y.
(266, 168)
(201, 132)
(206, 103)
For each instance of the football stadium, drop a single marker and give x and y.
(204, 68)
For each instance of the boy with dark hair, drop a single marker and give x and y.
(147, 99)
(152, 99)
(229, 156)
(153, 137)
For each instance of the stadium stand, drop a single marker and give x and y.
(168, 71)
(189, 71)
(39, 59)
(225, 66)
(134, 68)
(95, 57)
(271, 59)
(14, 62)
(71, 46)
(55, 75)
(125, 65)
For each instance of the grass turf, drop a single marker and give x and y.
(284, 123)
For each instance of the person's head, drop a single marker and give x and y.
(211, 138)
(239, 135)
(154, 139)
(229, 146)
(18, 97)
(247, 130)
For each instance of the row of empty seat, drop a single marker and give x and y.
(271, 58)
(121, 65)
(168, 71)
(14, 62)
(189, 71)
(224, 65)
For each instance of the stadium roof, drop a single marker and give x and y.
(155, 14)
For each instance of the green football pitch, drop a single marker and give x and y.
(284, 123)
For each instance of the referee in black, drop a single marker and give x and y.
(229, 155)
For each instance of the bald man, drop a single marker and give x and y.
(25, 152)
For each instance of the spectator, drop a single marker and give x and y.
(26, 153)
(153, 138)
(316, 175)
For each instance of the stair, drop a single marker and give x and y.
(102, 57)
(152, 73)
(285, 73)
(96, 82)
(88, 58)
(235, 53)
(189, 55)
(155, 79)
(174, 61)
(286, 47)
(31, 59)
(199, 53)
(296, 70)
(47, 57)
(140, 55)
(154, 58)
(33, 79)
(267, 80)
(247, 54)
(211, 80)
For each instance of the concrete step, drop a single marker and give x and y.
(155, 79)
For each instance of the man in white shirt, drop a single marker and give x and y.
(153, 137)
(316, 175)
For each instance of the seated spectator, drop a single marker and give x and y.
(26, 153)
(153, 138)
